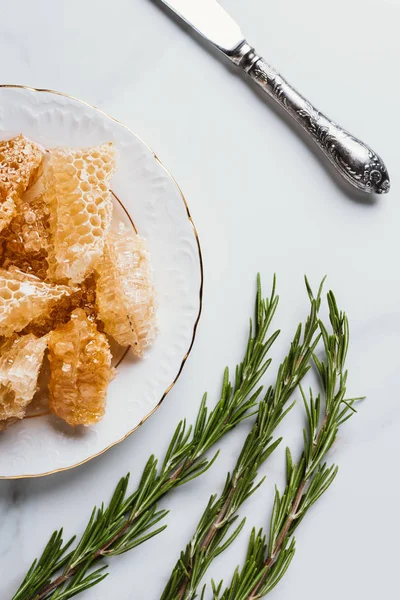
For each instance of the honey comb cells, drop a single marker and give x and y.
(80, 370)
(125, 291)
(66, 280)
(20, 361)
(80, 209)
(24, 297)
(83, 297)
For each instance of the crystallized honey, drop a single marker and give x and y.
(24, 243)
(80, 370)
(19, 162)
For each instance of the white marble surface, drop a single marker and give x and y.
(261, 201)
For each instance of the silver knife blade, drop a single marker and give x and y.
(209, 19)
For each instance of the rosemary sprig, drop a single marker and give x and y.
(213, 533)
(130, 520)
(267, 562)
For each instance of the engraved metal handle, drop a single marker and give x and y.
(353, 159)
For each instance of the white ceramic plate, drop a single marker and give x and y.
(43, 445)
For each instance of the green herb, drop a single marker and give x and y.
(130, 520)
(267, 560)
(214, 531)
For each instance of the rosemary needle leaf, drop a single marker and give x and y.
(212, 535)
(128, 521)
(308, 479)
(53, 557)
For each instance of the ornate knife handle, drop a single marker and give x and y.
(355, 161)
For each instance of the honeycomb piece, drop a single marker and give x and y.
(25, 297)
(80, 370)
(7, 209)
(19, 162)
(125, 294)
(20, 360)
(25, 240)
(80, 206)
(83, 297)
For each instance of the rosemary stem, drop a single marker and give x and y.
(55, 584)
(281, 539)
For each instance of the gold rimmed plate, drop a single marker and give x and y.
(147, 196)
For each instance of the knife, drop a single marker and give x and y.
(353, 159)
